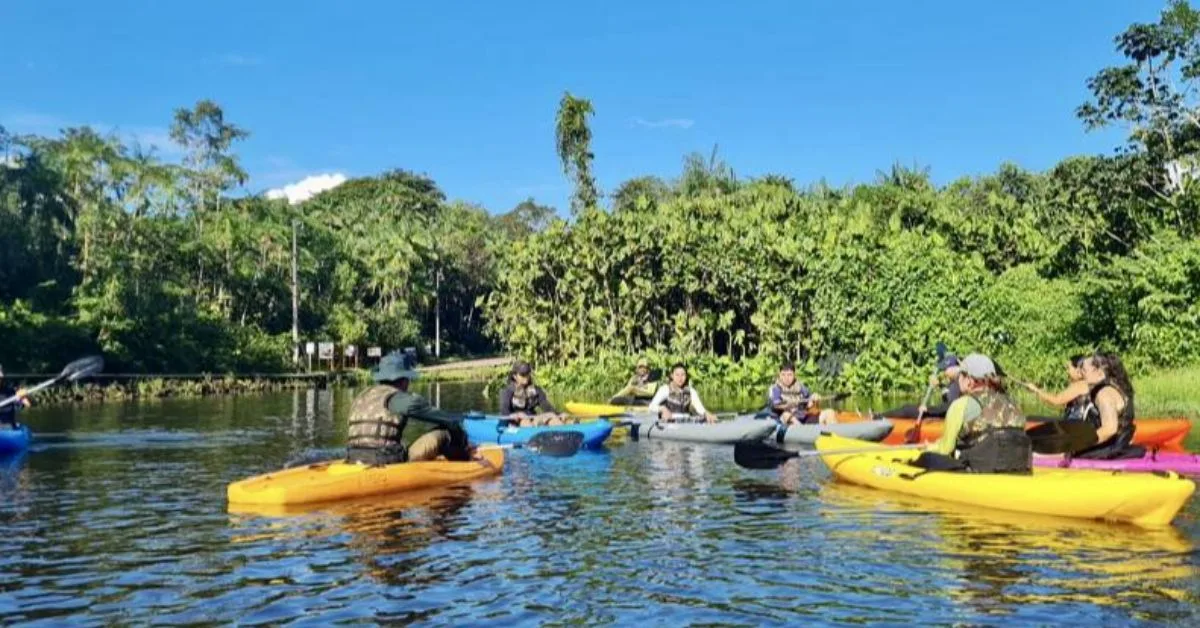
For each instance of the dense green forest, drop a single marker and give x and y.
(155, 263)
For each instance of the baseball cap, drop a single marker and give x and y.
(948, 361)
(643, 362)
(978, 366)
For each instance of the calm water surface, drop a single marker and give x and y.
(118, 517)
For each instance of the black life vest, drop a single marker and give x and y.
(995, 441)
(1125, 427)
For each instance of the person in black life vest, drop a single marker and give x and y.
(1074, 398)
(1109, 408)
(525, 402)
(948, 369)
(984, 430)
(389, 424)
(8, 414)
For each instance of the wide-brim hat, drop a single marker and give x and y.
(390, 370)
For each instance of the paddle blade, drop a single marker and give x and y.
(759, 455)
(557, 443)
(941, 351)
(1060, 437)
(81, 368)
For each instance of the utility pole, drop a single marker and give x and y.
(437, 312)
(295, 304)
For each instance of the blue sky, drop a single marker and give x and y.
(467, 92)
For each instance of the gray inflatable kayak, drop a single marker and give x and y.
(807, 434)
(738, 429)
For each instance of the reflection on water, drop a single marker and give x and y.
(119, 516)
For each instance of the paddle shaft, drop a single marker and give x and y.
(858, 450)
(30, 391)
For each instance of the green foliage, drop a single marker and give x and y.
(103, 247)
(574, 142)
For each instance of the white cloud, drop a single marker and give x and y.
(678, 123)
(307, 187)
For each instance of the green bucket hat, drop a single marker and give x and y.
(391, 368)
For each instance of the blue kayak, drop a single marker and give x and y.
(14, 440)
(484, 428)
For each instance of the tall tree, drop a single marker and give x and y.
(206, 137)
(575, 149)
(1156, 96)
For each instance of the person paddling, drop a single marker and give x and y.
(8, 414)
(678, 397)
(389, 424)
(984, 431)
(947, 371)
(1074, 398)
(640, 387)
(525, 402)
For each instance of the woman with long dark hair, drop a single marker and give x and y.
(1109, 407)
(1073, 398)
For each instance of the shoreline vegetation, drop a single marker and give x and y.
(162, 267)
(1172, 392)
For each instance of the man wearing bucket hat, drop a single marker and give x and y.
(984, 430)
(640, 388)
(388, 424)
(8, 414)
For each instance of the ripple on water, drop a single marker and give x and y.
(131, 527)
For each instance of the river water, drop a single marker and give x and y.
(118, 516)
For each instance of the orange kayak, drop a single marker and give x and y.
(1161, 434)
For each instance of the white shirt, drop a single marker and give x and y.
(660, 397)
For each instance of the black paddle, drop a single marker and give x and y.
(75, 371)
(1057, 438)
(556, 443)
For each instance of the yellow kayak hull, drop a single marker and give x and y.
(580, 409)
(340, 480)
(1143, 499)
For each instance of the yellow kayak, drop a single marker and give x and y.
(576, 408)
(332, 481)
(1143, 499)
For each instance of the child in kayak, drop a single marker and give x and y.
(984, 430)
(640, 387)
(678, 397)
(791, 402)
(8, 414)
(526, 403)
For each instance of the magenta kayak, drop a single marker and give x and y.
(1182, 463)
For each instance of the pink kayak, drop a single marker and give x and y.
(1182, 463)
